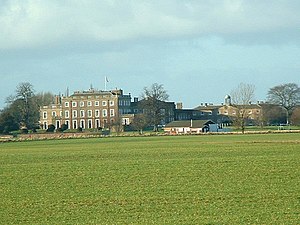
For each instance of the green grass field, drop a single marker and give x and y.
(222, 179)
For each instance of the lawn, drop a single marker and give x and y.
(209, 179)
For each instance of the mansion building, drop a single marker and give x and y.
(87, 110)
(94, 109)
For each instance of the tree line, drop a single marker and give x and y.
(282, 102)
(22, 109)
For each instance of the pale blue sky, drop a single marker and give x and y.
(199, 49)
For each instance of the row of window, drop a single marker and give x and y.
(89, 103)
(124, 102)
(90, 113)
(85, 124)
(83, 113)
(242, 111)
(79, 124)
(124, 111)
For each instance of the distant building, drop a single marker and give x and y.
(90, 109)
(256, 113)
(51, 114)
(94, 109)
(191, 126)
(167, 110)
(212, 112)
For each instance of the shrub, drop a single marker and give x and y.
(64, 127)
(51, 128)
(24, 131)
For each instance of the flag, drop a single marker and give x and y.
(106, 79)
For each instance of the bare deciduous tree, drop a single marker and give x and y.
(139, 123)
(272, 114)
(44, 98)
(152, 103)
(27, 104)
(285, 95)
(23, 107)
(242, 96)
(295, 117)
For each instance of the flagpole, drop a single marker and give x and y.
(105, 82)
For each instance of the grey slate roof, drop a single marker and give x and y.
(187, 123)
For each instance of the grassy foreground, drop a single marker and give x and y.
(234, 179)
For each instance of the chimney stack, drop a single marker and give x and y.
(57, 100)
